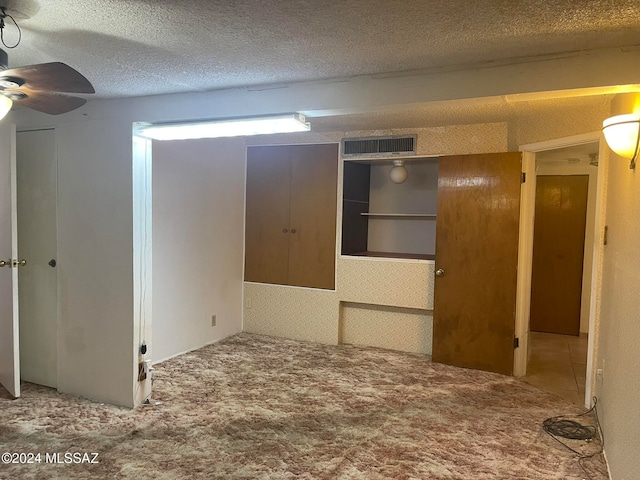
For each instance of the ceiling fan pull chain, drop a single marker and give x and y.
(3, 15)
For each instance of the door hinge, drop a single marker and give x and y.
(523, 177)
(606, 235)
(516, 342)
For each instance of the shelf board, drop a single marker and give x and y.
(427, 216)
(411, 256)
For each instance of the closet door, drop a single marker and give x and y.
(267, 214)
(314, 184)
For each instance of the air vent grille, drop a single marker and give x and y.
(379, 146)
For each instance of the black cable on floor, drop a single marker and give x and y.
(560, 427)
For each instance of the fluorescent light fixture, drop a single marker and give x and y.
(231, 127)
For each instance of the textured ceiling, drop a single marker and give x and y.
(144, 47)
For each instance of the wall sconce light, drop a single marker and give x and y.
(622, 133)
(398, 173)
(231, 127)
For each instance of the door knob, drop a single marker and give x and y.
(52, 262)
(19, 263)
(439, 272)
(5, 263)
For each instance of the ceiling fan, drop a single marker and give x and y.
(38, 86)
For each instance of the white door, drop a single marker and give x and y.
(9, 341)
(37, 244)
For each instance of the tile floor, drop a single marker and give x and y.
(558, 364)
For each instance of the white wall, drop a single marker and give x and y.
(198, 218)
(95, 258)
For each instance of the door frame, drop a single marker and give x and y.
(525, 250)
(9, 313)
(57, 286)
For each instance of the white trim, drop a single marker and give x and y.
(525, 258)
(595, 278)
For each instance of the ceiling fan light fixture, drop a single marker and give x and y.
(10, 82)
(5, 105)
(233, 127)
(15, 96)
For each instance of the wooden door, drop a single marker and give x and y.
(267, 214)
(37, 243)
(314, 190)
(477, 248)
(558, 253)
(9, 323)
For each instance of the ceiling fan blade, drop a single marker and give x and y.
(51, 103)
(50, 77)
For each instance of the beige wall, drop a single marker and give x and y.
(618, 350)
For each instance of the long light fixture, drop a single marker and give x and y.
(5, 106)
(231, 127)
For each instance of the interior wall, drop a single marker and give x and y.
(565, 120)
(314, 315)
(95, 258)
(587, 264)
(198, 218)
(618, 355)
(99, 336)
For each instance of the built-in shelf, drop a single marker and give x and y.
(428, 216)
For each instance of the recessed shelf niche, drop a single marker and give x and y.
(384, 219)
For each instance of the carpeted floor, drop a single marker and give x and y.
(254, 407)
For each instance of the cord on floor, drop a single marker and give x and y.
(561, 427)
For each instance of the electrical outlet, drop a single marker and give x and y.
(247, 302)
(213, 320)
(142, 372)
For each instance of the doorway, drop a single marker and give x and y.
(37, 244)
(558, 253)
(559, 362)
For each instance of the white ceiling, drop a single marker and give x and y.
(145, 47)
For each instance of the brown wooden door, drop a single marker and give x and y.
(558, 253)
(267, 215)
(477, 247)
(314, 190)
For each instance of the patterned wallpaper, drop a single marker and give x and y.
(378, 302)
(383, 281)
(407, 330)
(293, 312)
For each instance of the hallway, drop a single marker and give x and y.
(558, 364)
